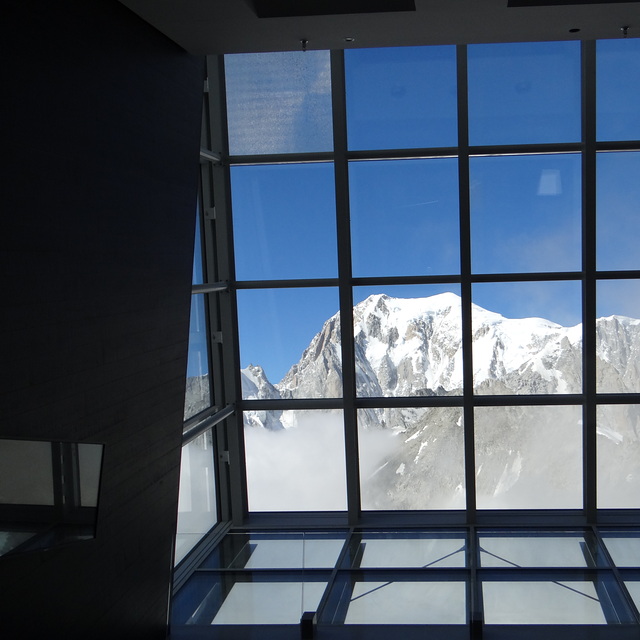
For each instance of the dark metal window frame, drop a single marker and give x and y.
(222, 309)
(332, 608)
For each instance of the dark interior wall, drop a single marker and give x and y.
(100, 137)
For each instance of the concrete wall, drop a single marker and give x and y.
(100, 135)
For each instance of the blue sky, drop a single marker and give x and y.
(525, 210)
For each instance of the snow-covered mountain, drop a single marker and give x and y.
(413, 458)
(413, 347)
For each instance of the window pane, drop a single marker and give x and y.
(618, 211)
(526, 92)
(290, 343)
(624, 547)
(198, 392)
(279, 102)
(634, 590)
(269, 602)
(400, 98)
(90, 467)
(404, 217)
(417, 549)
(528, 457)
(618, 456)
(546, 602)
(278, 550)
(408, 340)
(197, 511)
(264, 598)
(284, 221)
(295, 462)
(411, 458)
(526, 213)
(527, 338)
(390, 599)
(539, 549)
(618, 83)
(617, 336)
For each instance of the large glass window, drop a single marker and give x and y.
(469, 274)
(430, 326)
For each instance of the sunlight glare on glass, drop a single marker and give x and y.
(279, 102)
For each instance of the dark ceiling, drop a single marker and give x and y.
(232, 26)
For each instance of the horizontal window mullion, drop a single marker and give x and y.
(283, 284)
(280, 158)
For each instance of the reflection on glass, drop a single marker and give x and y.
(277, 551)
(290, 343)
(411, 458)
(48, 493)
(26, 472)
(409, 345)
(390, 601)
(528, 457)
(404, 217)
(279, 102)
(90, 465)
(10, 540)
(544, 602)
(526, 213)
(618, 428)
(197, 392)
(417, 549)
(535, 346)
(617, 336)
(539, 549)
(400, 98)
(617, 219)
(624, 547)
(618, 95)
(197, 510)
(526, 92)
(284, 221)
(295, 460)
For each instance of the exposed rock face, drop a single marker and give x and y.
(319, 372)
(525, 457)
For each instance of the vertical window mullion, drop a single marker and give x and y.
(234, 480)
(465, 283)
(589, 277)
(341, 168)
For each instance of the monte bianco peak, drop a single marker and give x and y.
(412, 457)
